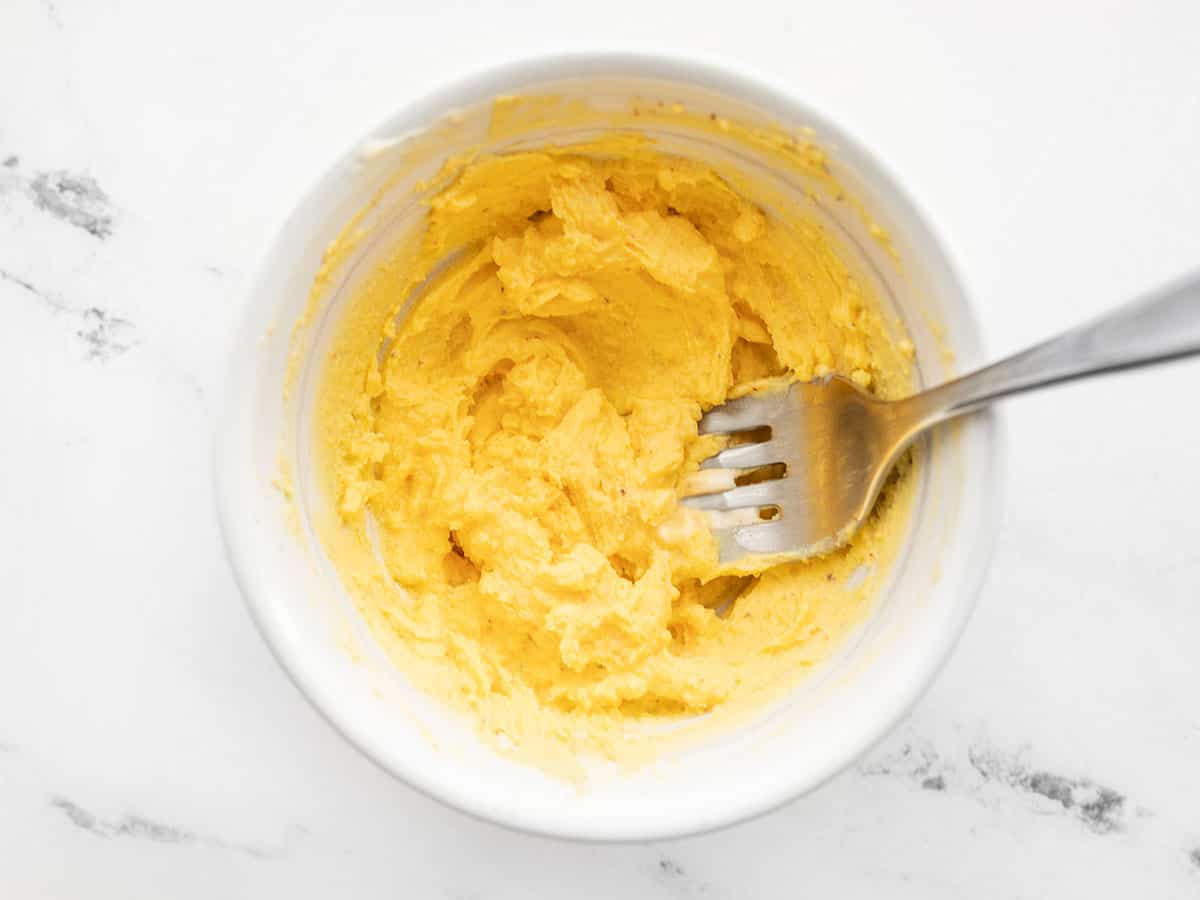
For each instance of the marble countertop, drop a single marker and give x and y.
(150, 747)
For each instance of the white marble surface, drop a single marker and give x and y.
(149, 745)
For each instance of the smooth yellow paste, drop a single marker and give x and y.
(512, 446)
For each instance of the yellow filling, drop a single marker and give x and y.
(512, 448)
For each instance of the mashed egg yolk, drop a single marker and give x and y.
(504, 455)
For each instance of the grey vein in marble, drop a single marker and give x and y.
(934, 783)
(669, 868)
(104, 335)
(140, 828)
(11, 162)
(674, 879)
(129, 826)
(1102, 809)
(76, 199)
(52, 300)
(1194, 856)
(916, 761)
(52, 13)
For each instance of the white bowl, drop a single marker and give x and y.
(821, 726)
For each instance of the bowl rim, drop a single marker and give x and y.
(241, 536)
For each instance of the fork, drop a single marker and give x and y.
(817, 453)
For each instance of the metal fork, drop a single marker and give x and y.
(835, 444)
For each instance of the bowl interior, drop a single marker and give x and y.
(297, 600)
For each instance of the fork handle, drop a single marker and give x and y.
(1160, 326)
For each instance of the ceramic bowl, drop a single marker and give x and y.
(832, 716)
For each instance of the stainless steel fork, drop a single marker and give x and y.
(835, 444)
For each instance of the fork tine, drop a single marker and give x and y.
(765, 493)
(768, 537)
(741, 414)
(746, 456)
(740, 541)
